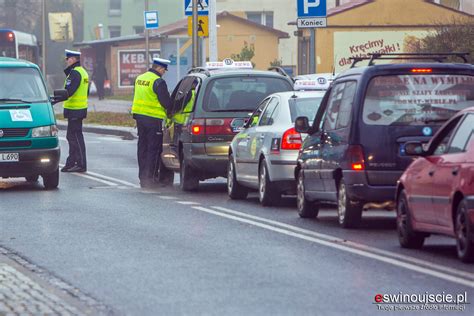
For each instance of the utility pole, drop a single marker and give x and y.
(213, 54)
(43, 46)
(147, 44)
(312, 51)
(195, 35)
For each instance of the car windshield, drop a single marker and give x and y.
(22, 84)
(304, 107)
(416, 99)
(241, 93)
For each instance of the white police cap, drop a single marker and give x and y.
(161, 62)
(72, 53)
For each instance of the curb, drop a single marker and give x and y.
(128, 133)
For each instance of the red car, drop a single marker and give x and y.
(435, 195)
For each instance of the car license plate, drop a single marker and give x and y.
(9, 157)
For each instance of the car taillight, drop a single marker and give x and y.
(197, 126)
(291, 140)
(10, 36)
(355, 154)
(216, 126)
(422, 70)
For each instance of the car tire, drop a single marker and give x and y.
(235, 190)
(306, 209)
(165, 175)
(462, 230)
(349, 212)
(268, 194)
(188, 180)
(407, 237)
(33, 178)
(51, 180)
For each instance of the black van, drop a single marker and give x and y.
(355, 152)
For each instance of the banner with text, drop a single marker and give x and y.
(131, 63)
(360, 44)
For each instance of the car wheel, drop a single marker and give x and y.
(267, 193)
(407, 237)
(165, 175)
(32, 178)
(463, 229)
(349, 212)
(306, 209)
(235, 190)
(51, 180)
(188, 180)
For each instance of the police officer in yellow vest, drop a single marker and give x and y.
(151, 103)
(75, 110)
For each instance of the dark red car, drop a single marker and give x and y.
(435, 195)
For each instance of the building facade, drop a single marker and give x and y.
(125, 17)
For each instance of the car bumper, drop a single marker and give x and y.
(30, 163)
(282, 166)
(209, 165)
(358, 189)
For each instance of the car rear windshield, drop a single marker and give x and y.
(304, 107)
(21, 84)
(416, 99)
(241, 93)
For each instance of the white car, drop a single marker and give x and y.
(263, 155)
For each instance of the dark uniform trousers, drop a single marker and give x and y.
(77, 147)
(150, 146)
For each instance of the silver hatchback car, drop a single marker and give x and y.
(263, 155)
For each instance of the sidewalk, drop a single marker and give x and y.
(106, 105)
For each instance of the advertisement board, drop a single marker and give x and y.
(360, 44)
(131, 63)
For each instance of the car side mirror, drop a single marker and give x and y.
(302, 124)
(59, 95)
(414, 149)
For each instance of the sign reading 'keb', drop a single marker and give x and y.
(312, 13)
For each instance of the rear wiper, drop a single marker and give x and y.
(13, 100)
(233, 110)
(439, 120)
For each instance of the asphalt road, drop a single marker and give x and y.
(163, 252)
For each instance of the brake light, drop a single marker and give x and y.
(291, 140)
(356, 157)
(422, 70)
(217, 126)
(10, 36)
(197, 126)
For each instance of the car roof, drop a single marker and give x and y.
(467, 110)
(7, 62)
(299, 94)
(220, 73)
(380, 68)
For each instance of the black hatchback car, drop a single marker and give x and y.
(355, 152)
(226, 93)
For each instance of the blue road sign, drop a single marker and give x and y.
(203, 7)
(311, 8)
(151, 19)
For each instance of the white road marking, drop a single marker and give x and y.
(341, 247)
(165, 197)
(188, 203)
(104, 179)
(353, 244)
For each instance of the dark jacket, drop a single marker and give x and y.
(73, 80)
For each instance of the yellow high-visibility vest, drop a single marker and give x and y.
(145, 100)
(78, 100)
(183, 115)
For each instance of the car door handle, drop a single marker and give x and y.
(455, 171)
(431, 173)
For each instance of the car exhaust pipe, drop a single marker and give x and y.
(388, 205)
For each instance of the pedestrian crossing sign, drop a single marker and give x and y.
(203, 26)
(202, 5)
